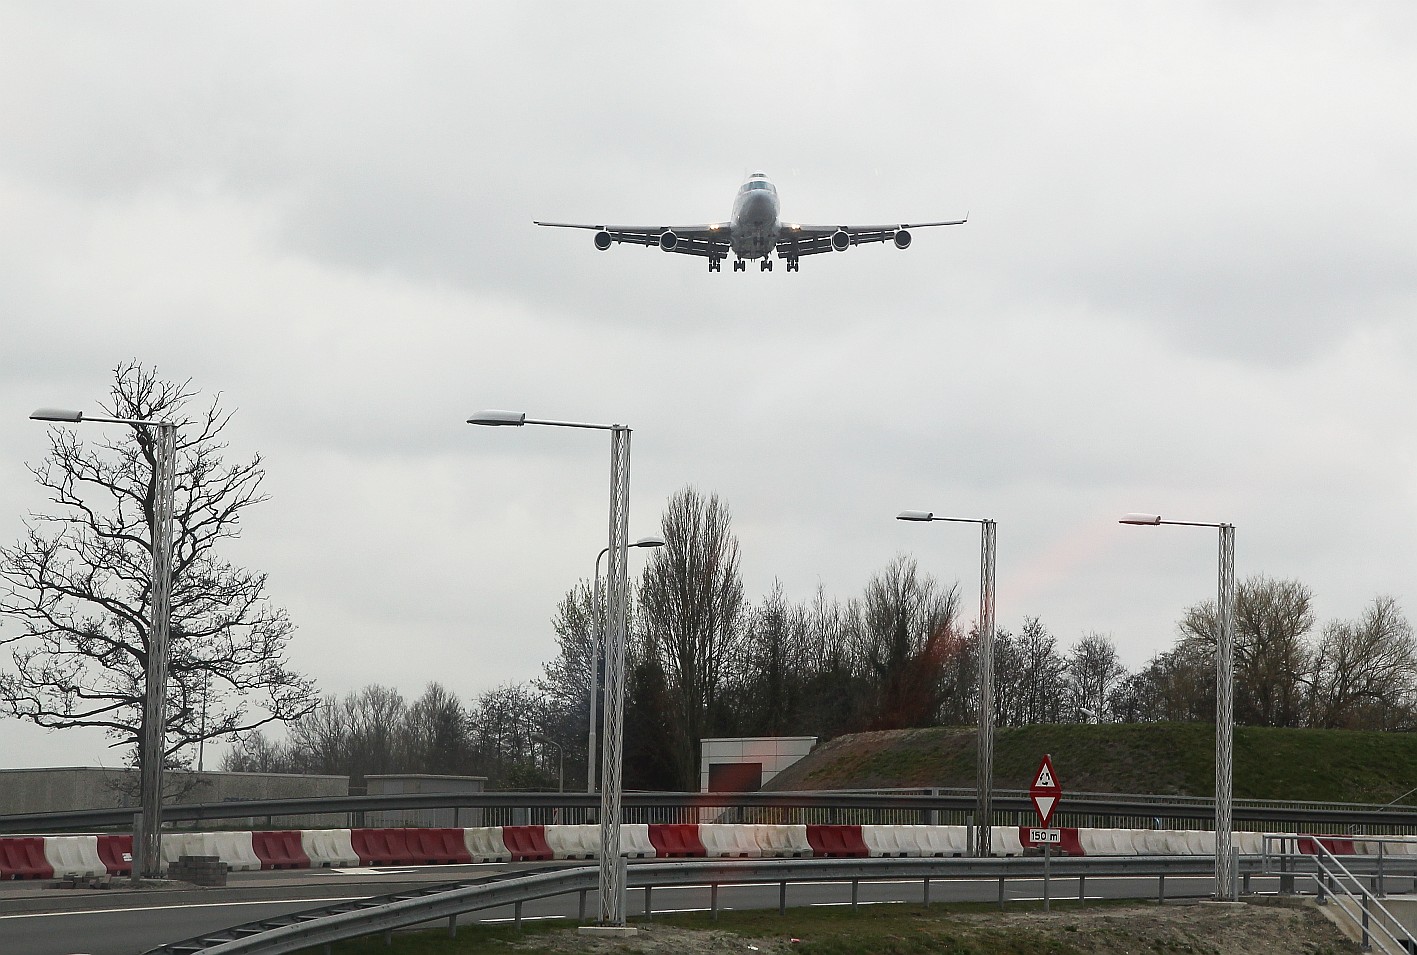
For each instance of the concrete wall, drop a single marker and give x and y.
(91, 787)
(774, 753)
(418, 783)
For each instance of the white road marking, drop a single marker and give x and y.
(184, 905)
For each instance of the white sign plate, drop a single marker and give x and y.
(1045, 837)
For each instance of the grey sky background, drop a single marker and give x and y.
(1186, 285)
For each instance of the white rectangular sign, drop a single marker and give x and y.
(1040, 837)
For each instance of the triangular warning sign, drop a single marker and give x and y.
(1044, 805)
(1045, 779)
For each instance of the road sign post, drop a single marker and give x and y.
(1045, 793)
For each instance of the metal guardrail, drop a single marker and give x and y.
(327, 925)
(1335, 879)
(1099, 810)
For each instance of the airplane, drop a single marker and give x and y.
(754, 231)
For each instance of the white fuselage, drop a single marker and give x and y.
(754, 226)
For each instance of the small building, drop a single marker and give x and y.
(744, 764)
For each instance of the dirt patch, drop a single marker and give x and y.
(1195, 929)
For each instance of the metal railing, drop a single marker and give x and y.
(938, 807)
(330, 924)
(1335, 880)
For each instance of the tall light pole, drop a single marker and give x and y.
(984, 808)
(612, 876)
(597, 637)
(1225, 887)
(560, 759)
(147, 843)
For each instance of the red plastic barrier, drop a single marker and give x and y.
(1336, 845)
(280, 849)
(22, 857)
(382, 846)
(116, 854)
(527, 843)
(1070, 846)
(838, 841)
(677, 841)
(439, 846)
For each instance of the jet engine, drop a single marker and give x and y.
(668, 240)
(902, 239)
(603, 240)
(841, 239)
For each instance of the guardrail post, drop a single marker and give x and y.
(1382, 883)
(782, 899)
(1082, 888)
(452, 926)
(1364, 901)
(855, 886)
(649, 907)
(713, 901)
(388, 938)
(1161, 888)
(927, 890)
(517, 915)
(1286, 877)
(1001, 891)
(580, 913)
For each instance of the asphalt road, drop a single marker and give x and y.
(115, 922)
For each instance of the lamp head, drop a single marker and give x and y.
(1140, 519)
(493, 418)
(653, 540)
(915, 516)
(57, 414)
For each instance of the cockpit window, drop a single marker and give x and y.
(754, 184)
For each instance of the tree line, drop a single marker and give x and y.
(703, 661)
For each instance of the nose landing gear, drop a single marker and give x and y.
(739, 265)
(766, 265)
(715, 263)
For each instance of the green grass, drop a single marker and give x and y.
(1158, 758)
(869, 930)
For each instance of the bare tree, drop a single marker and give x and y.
(79, 583)
(1365, 672)
(691, 613)
(1093, 673)
(1273, 619)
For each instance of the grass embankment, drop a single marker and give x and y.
(1159, 758)
(1071, 929)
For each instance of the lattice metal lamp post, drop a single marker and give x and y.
(612, 875)
(1226, 888)
(984, 810)
(147, 842)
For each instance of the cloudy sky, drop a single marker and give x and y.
(1187, 285)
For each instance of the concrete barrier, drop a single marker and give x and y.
(485, 844)
(576, 842)
(329, 847)
(74, 856)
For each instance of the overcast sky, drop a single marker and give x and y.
(1186, 285)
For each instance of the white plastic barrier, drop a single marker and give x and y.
(784, 841)
(634, 840)
(329, 847)
(1201, 842)
(1107, 842)
(941, 840)
(485, 844)
(885, 841)
(178, 844)
(573, 842)
(1004, 841)
(1249, 843)
(235, 849)
(727, 841)
(74, 856)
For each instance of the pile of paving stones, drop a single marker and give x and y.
(198, 870)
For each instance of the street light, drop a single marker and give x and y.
(560, 759)
(597, 636)
(147, 842)
(1225, 869)
(984, 809)
(612, 873)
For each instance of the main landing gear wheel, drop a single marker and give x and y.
(766, 265)
(793, 265)
(715, 264)
(739, 265)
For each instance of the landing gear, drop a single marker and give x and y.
(715, 263)
(793, 265)
(739, 265)
(766, 265)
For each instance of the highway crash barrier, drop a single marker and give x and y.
(676, 841)
(729, 841)
(634, 841)
(333, 848)
(74, 857)
(526, 843)
(574, 842)
(116, 854)
(837, 842)
(485, 844)
(783, 841)
(22, 857)
(280, 849)
(890, 841)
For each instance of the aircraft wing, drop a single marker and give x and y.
(796, 239)
(709, 239)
